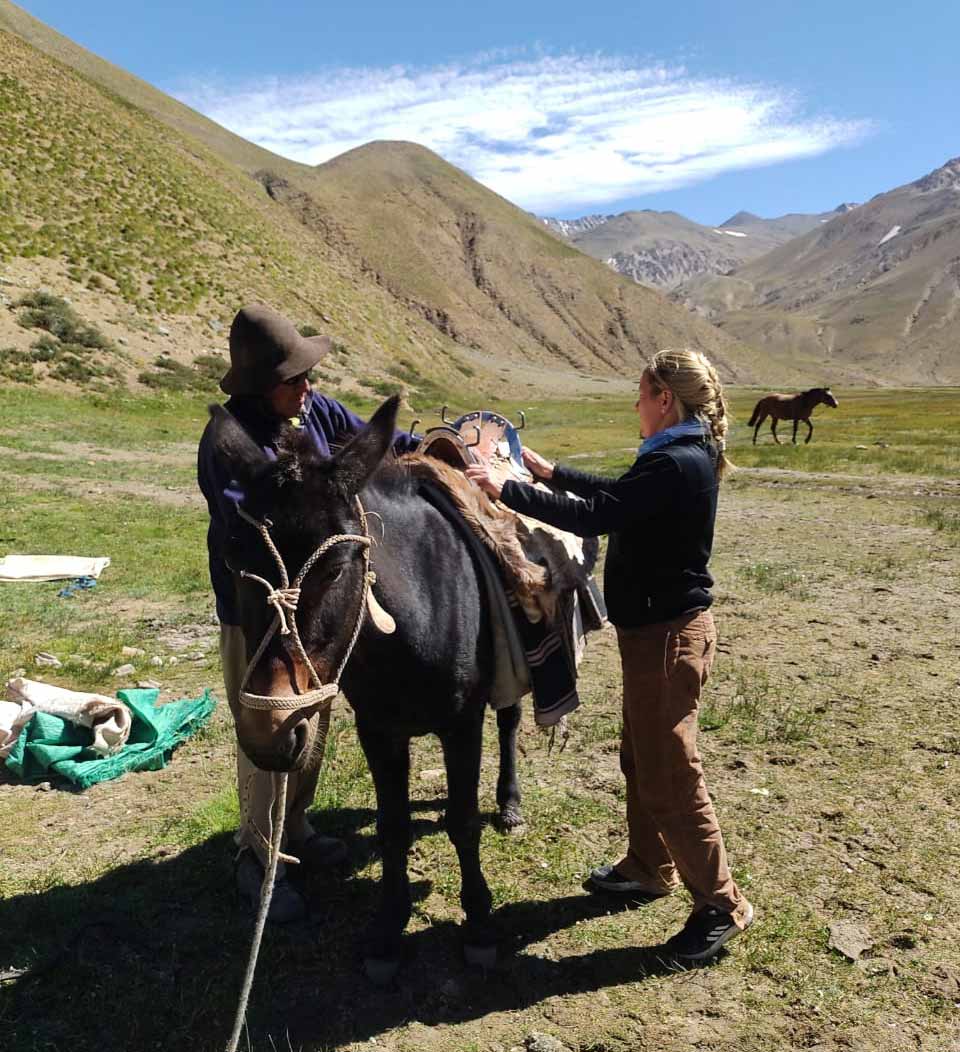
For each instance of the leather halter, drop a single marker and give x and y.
(285, 600)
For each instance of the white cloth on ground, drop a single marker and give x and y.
(109, 719)
(51, 567)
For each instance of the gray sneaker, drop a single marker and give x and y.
(608, 878)
(286, 904)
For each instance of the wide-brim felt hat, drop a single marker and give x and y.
(266, 349)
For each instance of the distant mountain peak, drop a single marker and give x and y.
(740, 219)
(846, 206)
(946, 177)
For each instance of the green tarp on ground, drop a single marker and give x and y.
(49, 747)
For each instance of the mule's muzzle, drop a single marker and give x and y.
(287, 748)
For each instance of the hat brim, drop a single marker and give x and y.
(308, 351)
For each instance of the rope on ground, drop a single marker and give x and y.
(266, 894)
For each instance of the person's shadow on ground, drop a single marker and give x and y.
(152, 955)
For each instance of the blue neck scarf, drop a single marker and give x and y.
(688, 429)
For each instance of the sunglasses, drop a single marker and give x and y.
(295, 381)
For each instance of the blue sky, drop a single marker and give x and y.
(571, 108)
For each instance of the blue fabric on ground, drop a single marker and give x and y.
(78, 584)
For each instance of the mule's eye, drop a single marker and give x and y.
(332, 575)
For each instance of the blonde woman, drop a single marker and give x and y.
(660, 518)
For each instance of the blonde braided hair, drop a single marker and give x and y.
(696, 386)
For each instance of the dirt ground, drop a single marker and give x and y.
(831, 747)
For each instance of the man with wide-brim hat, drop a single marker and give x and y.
(266, 350)
(269, 386)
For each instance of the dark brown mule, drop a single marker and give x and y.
(790, 407)
(430, 673)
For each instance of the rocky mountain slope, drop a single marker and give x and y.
(136, 206)
(664, 249)
(874, 292)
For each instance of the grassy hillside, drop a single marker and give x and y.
(141, 205)
(489, 274)
(124, 85)
(150, 232)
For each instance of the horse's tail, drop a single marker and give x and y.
(755, 416)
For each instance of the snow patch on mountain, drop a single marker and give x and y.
(891, 233)
(572, 227)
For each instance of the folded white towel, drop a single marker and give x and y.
(51, 567)
(108, 718)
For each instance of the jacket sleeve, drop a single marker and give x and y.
(220, 491)
(346, 422)
(579, 482)
(221, 496)
(642, 493)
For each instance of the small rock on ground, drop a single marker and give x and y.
(536, 1042)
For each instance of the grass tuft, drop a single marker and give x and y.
(758, 708)
(774, 579)
(942, 520)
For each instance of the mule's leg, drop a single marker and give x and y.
(809, 423)
(508, 788)
(461, 752)
(389, 762)
(773, 429)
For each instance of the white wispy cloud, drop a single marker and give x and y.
(551, 133)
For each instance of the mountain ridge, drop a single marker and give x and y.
(664, 249)
(876, 289)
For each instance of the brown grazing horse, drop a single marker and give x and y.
(790, 407)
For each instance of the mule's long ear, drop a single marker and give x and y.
(357, 461)
(234, 446)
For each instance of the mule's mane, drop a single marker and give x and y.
(298, 461)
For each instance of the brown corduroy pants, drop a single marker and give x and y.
(254, 787)
(674, 835)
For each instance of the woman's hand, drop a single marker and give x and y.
(480, 474)
(538, 466)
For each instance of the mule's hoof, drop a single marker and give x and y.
(484, 956)
(511, 821)
(381, 971)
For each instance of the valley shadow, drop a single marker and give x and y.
(152, 955)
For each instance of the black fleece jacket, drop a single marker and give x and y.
(660, 517)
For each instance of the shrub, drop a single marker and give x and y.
(210, 366)
(308, 330)
(172, 375)
(45, 348)
(44, 310)
(72, 369)
(16, 366)
(382, 387)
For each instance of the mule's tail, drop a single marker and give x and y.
(755, 416)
